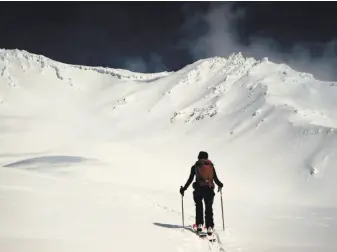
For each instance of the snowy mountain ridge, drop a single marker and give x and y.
(27, 59)
(214, 83)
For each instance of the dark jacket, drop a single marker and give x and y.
(192, 174)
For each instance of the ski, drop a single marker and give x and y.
(203, 234)
(211, 238)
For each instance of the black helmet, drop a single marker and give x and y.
(203, 155)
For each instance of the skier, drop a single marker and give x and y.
(203, 190)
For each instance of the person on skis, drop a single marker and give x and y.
(205, 174)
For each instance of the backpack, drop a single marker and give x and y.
(204, 171)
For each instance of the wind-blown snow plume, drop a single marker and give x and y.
(142, 65)
(216, 33)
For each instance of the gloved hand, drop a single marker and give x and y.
(220, 187)
(182, 190)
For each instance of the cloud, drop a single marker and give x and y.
(136, 64)
(156, 63)
(216, 33)
(153, 63)
(219, 38)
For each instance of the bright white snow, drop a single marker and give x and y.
(92, 158)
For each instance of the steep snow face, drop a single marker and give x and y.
(271, 132)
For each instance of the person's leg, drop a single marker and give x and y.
(199, 218)
(209, 198)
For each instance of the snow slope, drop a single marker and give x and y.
(92, 158)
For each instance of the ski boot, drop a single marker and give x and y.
(209, 231)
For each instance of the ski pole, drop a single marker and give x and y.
(223, 223)
(182, 209)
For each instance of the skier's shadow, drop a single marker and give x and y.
(189, 228)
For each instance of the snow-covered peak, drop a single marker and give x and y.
(27, 60)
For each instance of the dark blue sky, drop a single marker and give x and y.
(156, 36)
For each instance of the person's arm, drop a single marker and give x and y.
(216, 180)
(190, 179)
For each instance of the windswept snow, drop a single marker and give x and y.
(92, 158)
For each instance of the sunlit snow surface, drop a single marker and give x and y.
(92, 158)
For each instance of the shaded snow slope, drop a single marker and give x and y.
(271, 132)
